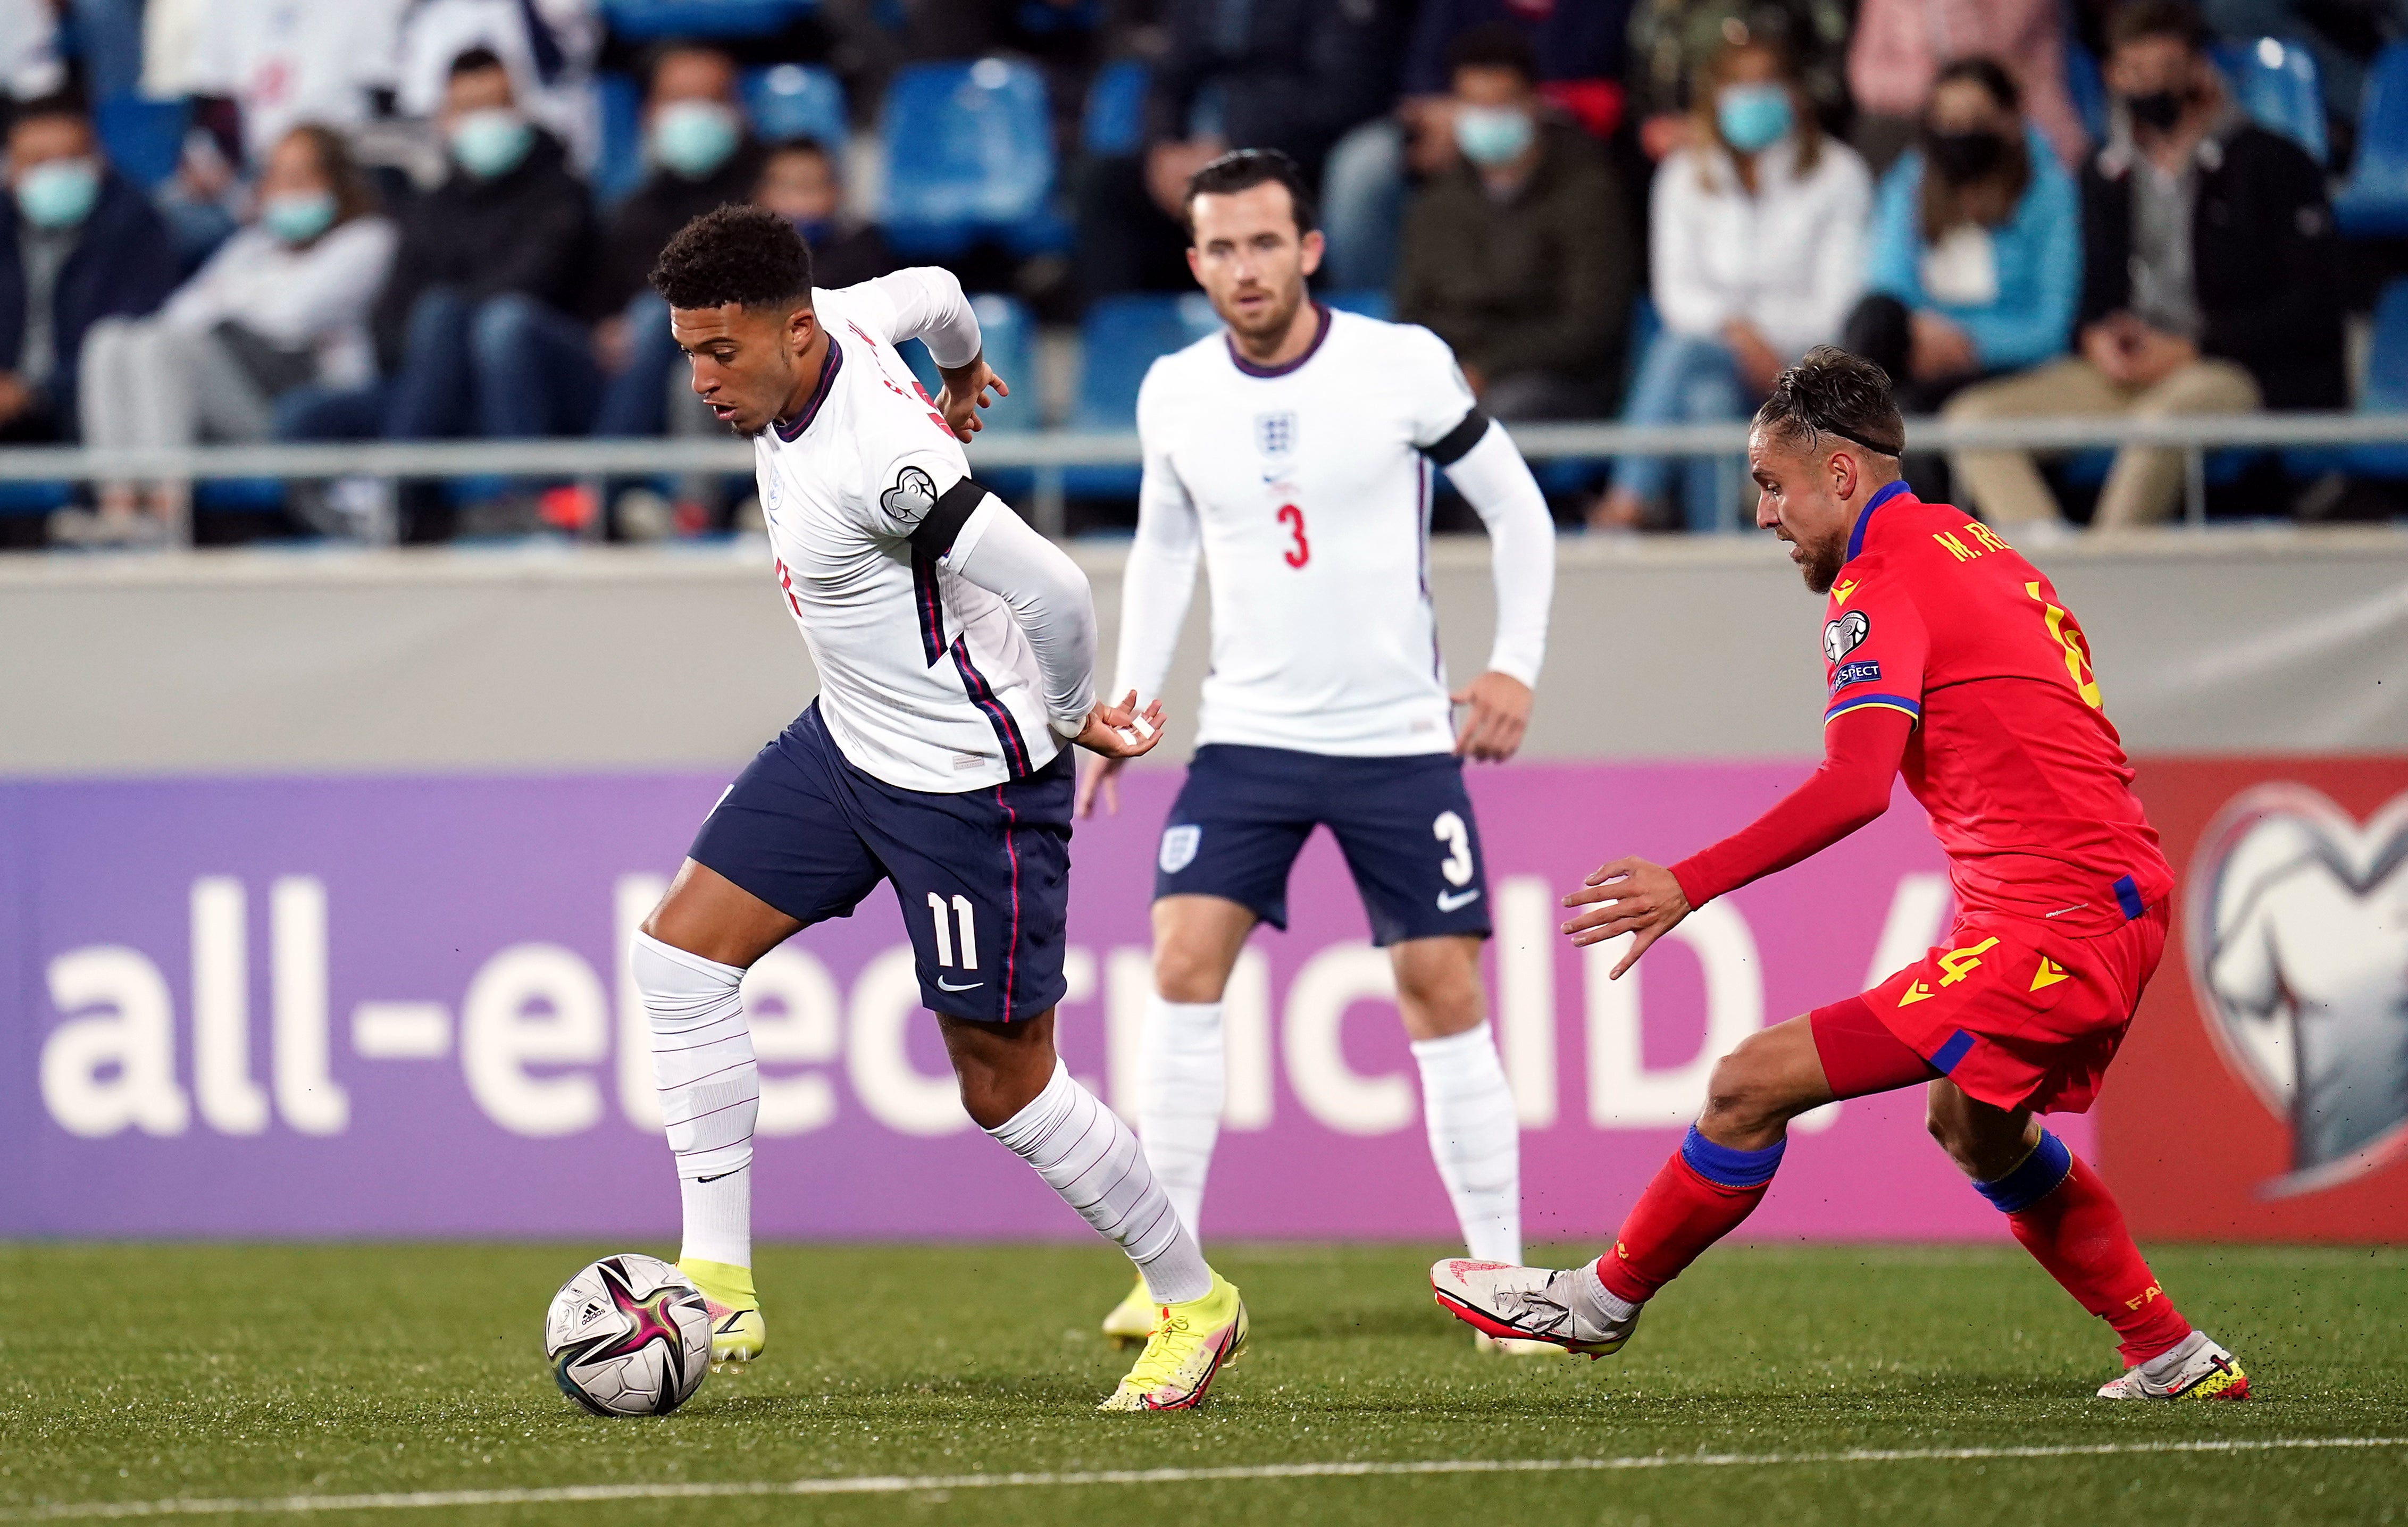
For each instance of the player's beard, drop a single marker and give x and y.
(1276, 322)
(1821, 563)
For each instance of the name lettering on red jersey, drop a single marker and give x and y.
(1984, 539)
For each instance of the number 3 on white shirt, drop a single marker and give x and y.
(1293, 518)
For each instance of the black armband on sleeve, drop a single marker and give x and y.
(935, 536)
(1457, 442)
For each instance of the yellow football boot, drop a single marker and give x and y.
(738, 1333)
(1133, 1319)
(1191, 1344)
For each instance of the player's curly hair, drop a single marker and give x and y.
(741, 254)
(1830, 392)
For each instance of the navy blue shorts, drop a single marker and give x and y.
(983, 877)
(1404, 825)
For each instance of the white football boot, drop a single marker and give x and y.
(2196, 1369)
(1526, 1304)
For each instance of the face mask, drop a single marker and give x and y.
(1960, 157)
(2158, 110)
(58, 192)
(694, 137)
(298, 217)
(1752, 117)
(1493, 134)
(491, 143)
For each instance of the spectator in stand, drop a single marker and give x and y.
(1672, 41)
(1899, 47)
(549, 45)
(702, 156)
(1758, 231)
(799, 182)
(1976, 256)
(473, 327)
(1518, 256)
(1579, 47)
(280, 64)
(282, 304)
(83, 244)
(30, 66)
(1292, 75)
(2341, 35)
(2210, 280)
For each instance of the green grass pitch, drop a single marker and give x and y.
(151, 1373)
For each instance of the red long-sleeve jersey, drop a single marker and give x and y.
(1950, 658)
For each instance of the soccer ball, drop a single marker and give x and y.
(628, 1337)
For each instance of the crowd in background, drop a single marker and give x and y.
(383, 221)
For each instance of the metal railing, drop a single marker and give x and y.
(1047, 454)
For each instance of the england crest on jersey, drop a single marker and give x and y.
(1275, 434)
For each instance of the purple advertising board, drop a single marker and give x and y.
(387, 1007)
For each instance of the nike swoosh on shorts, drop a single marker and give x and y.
(1452, 901)
(944, 985)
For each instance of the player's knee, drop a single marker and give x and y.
(1188, 974)
(1743, 1093)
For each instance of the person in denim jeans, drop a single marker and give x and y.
(1757, 243)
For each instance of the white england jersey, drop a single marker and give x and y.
(926, 680)
(1308, 487)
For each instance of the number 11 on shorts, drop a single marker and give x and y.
(961, 910)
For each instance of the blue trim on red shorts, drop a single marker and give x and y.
(2127, 896)
(1947, 1056)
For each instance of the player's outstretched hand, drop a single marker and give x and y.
(964, 395)
(1122, 731)
(1628, 896)
(1100, 781)
(1500, 713)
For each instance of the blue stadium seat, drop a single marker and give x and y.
(1114, 124)
(1370, 302)
(2086, 89)
(969, 154)
(2275, 82)
(796, 101)
(643, 21)
(2374, 203)
(1121, 337)
(143, 138)
(1009, 336)
(2385, 392)
(619, 165)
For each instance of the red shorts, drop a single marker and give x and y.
(2016, 1013)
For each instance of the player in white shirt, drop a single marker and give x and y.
(1293, 455)
(955, 650)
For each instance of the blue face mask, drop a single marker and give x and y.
(58, 192)
(1493, 134)
(491, 143)
(298, 217)
(1752, 117)
(694, 137)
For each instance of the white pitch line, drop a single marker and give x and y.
(893, 1484)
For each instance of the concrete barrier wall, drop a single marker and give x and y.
(627, 659)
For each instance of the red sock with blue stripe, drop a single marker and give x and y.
(2064, 1216)
(1696, 1198)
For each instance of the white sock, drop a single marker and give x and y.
(710, 1091)
(1086, 1154)
(1182, 1083)
(1475, 1139)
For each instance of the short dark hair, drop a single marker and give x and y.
(1497, 45)
(1242, 169)
(474, 60)
(741, 254)
(1830, 392)
(65, 101)
(2137, 21)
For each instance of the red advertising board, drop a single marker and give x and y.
(2262, 1094)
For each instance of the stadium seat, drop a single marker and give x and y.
(2275, 82)
(1009, 336)
(619, 165)
(646, 21)
(2374, 203)
(1115, 121)
(969, 155)
(796, 101)
(2086, 89)
(1121, 337)
(143, 138)
(2384, 392)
